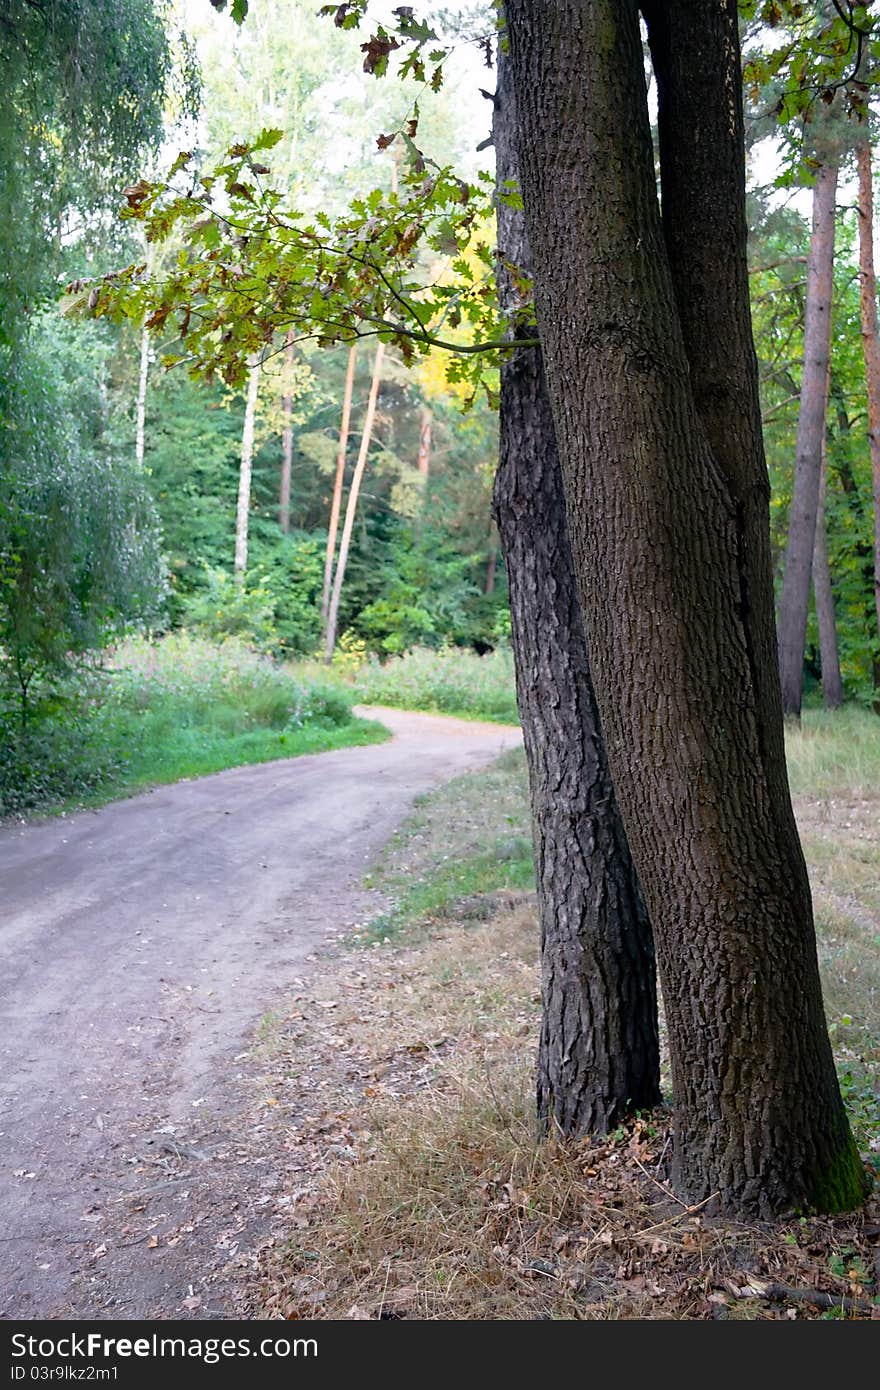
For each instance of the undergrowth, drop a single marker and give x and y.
(157, 712)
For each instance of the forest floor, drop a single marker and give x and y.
(415, 1186)
(142, 945)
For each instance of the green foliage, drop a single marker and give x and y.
(254, 268)
(82, 94)
(79, 557)
(226, 607)
(164, 710)
(449, 681)
(813, 75)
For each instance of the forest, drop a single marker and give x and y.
(516, 363)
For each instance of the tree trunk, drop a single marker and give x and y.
(141, 417)
(244, 476)
(143, 377)
(832, 684)
(599, 1050)
(336, 503)
(286, 446)
(425, 427)
(795, 601)
(870, 341)
(491, 563)
(351, 505)
(677, 606)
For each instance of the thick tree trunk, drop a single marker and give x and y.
(795, 601)
(832, 684)
(870, 341)
(674, 617)
(336, 503)
(599, 1051)
(351, 504)
(242, 515)
(286, 446)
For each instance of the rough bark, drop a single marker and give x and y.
(286, 446)
(795, 600)
(242, 515)
(491, 563)
(336, 503)
(351, 504)
(599, 1051)
(870, 341)
(823, 594)
(672, 613)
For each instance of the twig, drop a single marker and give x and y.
(779, 1293)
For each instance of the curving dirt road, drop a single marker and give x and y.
(140, 945)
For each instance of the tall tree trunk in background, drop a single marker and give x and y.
(143, 377)
(599, 1052)
(351, 504)
(870, 341)
(336, 503)
(286, 446)
(823, 594)
(244, 475)
(795, 601)
(426, 422)
(674, 579)
(141, 415)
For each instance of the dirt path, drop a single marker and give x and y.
(140, 946)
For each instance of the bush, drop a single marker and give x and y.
(158, 711)
(225, 608)
(450, 681)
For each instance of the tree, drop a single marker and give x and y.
(795, 600)
(645, 330)
(79, 543)
(351, 504)
(871, 346)
(338, 480)
(242, 515)
(832, 684)
(82, 95)
(286, 446)
(599, 1049)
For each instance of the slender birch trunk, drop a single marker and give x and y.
(286, 446)
(351, 505)
(140, 426)
(143, 376)
(425, 427)
(244, 476)
(336, 503)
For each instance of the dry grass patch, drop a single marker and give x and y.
(439, 1203)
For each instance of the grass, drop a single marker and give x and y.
(445, 1206)
(159, 712)
(464, 841)
(450, 681)
(834, 753)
